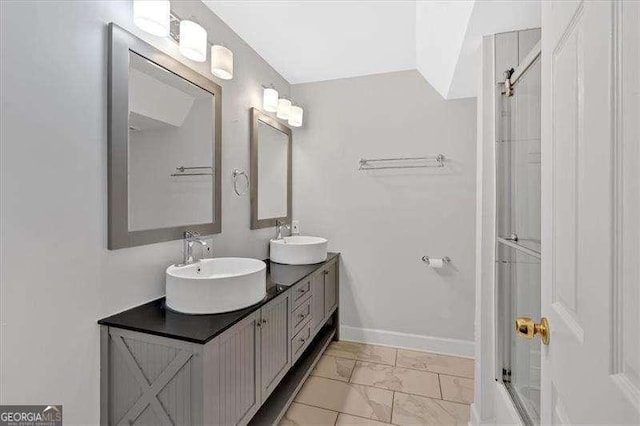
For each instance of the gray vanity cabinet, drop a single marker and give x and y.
(232, 391)
(330, 288)
(274, 343)
(245, 364)
(317, 301)
(249, 372)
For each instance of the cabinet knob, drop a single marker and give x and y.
(302, 340)
(264, 321)
(301, 316)
(326, 272)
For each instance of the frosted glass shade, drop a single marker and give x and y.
(193, 41)
(221, 62)
(295, 116)
(152, 16)
(284, 108)
(270, 100)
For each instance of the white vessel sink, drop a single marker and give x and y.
(216, 285)
(298, 250)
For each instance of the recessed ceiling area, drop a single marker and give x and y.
(307, 41)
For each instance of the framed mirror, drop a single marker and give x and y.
(270, 171)
(164, 146)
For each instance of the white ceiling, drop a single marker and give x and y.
(320, 40)
(308, 41)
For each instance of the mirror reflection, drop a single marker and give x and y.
(270, 171)
(171, 149)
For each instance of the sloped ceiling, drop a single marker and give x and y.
(308, 41)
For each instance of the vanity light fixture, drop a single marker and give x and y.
(295, 116)
(193, 41)
(221, 62)
(152, 16)
(284, 108)
(270, 99)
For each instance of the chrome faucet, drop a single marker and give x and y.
(191, 238)
(279, 225)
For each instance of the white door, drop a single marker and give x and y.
(590, 211)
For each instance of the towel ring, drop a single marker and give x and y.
(236, 174)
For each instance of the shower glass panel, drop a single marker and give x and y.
(518, 237)
(519, 162)
(519, 273)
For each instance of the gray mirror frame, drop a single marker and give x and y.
(119, 236)
(257, 116)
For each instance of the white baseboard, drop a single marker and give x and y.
(475, 419)
(475, 416)
(441, 345)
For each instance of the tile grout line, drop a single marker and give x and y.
(438, 378)
(357, 359)
(456, 376)
(393, 396)
(347, 383)
(409, 350)
(442, 393)
(314, 406)
(395, 364)
(402, 366)
(412, 369)
(364, 418)
(355, 364)
(309, 405)
(374, 387)
(317, 406)
(435, 399)
(433, 372)
(393, 400)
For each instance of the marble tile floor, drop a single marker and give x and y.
(360, 384)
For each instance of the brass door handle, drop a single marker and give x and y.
(526, 328)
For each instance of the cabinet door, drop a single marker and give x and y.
(330, 288)
(240, 372)
(317, 301)
(274, 343)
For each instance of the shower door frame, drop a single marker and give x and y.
(504, 316)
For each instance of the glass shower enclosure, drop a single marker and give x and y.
(518, 243)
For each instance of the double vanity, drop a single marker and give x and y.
(234, 338)
(159, 366)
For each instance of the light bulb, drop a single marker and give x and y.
(221, 62)
(152, 16)
(284, 108)
(193, 41)
(295, 116)
(270, 99)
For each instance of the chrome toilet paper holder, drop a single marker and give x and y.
(426, 259)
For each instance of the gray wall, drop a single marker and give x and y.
(384, 221)
(57, 277)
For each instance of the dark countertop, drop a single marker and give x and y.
(154, 318)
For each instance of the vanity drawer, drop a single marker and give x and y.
(301, 315)
(300, 341)
(301, 292)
